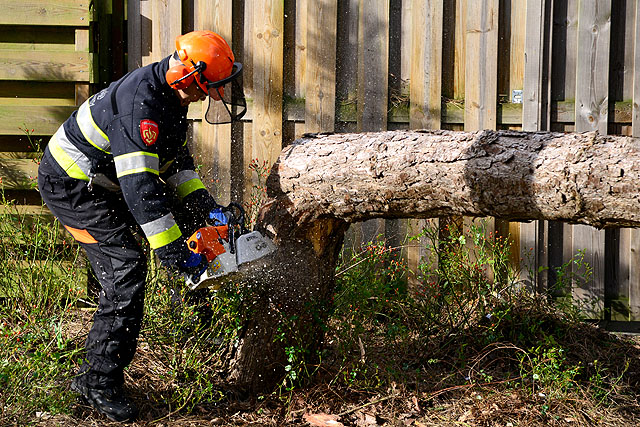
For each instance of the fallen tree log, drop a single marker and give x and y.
(323, 182)
(574, 177)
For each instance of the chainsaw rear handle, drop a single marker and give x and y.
(237, 215)
(236, 219)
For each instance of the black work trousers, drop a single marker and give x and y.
(102, 223)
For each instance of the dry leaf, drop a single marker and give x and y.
(365, 419)
(416, 406)
(323, 420)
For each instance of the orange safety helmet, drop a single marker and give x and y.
(207, 58)
(204, 54)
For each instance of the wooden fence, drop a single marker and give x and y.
(49, 64)
(356, 65)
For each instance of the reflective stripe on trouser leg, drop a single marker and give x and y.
(118, 262)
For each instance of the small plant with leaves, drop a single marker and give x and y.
(41, 278)
(260, 172)
(35, 147)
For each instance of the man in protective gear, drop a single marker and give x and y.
(116, 167)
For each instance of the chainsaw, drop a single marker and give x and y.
(226, 244)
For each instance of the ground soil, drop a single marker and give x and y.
(401, 404)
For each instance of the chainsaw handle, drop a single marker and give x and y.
(239, 220)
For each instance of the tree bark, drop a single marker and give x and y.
(323, 182)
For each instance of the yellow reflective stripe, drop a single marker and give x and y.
(189, 187)
(90, 129)
(137, 162)
(165, 237)
(138, 170)
(65, 161)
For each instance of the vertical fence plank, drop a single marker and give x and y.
(592, 72)
(373, 65)
(532, 108)
(322, 25)
(82, 45)
(166, 26)
(146, 31)
(346, 87)
(533, 252)
(268, 29)
(517, 24)
(563, 87)
(373, 79)
(134, 35)
(425, 85)
(406, 35)
(481, 66)
(302, 34)
(214, 148)
(425, 93)
(247, 81)
(460, 43)
(621, 75)
(565, 51)
(634, 234)
(591, 110)
(295, 58)
(347, 72)
(510, 77)
(481, 77)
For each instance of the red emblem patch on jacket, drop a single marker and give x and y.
(148, 131)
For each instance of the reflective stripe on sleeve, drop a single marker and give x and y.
(137, 162)
(72, 160)
(185, 182)
(162, 231)
(91, 132)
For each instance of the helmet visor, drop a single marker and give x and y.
(226, 98)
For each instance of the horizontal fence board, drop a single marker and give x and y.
(44, 120)
(18, 174)
(14, 91)
(39, 102)
(46, 12)
(54, 66)
(452, 112)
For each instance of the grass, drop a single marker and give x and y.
(463, 343)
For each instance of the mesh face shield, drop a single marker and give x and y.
(226, 98)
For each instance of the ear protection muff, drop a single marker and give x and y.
(179, 77)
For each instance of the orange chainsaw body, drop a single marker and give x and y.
(207, 241)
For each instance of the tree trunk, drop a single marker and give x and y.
(323, 182)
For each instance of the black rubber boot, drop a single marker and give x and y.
(110, 402)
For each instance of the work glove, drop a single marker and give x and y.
(219, 217)
(194, 265)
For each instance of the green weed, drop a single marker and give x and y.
(41, 278)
